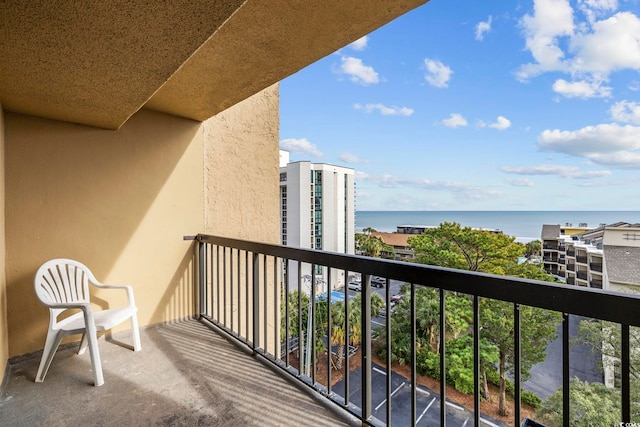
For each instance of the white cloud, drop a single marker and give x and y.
(438, 74)
(351, 158)
(359, 44)
(594, 8)
(570, 172)
(599, 5)
(551, 19)
(357, 71)
(611, 45)
(455, 120)
(581, 89)
(384, 110)
(482, 28)
(464, 190)
(588, 50)
(606, 144)
(626, 112)
(501, 123)
(300, 146)
(521, 182)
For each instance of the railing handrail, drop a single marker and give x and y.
(606, 305)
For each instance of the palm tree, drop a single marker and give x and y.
(369, 245)
(338, 324)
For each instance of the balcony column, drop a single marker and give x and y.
(366, 346)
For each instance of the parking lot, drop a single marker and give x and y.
(427, 401)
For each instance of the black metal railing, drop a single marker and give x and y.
(596, 283)
(571, 253)
(581, 259)
(596, 266)
(571, 266)
(246, 288)
(582, 275)
(571, 280)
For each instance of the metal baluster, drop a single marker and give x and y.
(516, 364)
(443, 360)
(626, 373)
(413, 356)
(565, 370)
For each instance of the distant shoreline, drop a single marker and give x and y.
(524, 225)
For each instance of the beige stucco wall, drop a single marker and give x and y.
(121, 202)
(4, 335)
(242, 169)
(242, 190)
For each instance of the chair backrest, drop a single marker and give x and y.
(62, 281)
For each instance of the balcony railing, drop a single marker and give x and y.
(596, 283)
(571, 253)
(581, 259)
(581, 275)
(571, 266)
(596, 266)
(571, 280)
(241, 282)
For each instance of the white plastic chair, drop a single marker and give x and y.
(63, 284)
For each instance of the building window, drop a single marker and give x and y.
(283, 214)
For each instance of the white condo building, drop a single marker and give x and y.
(317, 211)
(606, 257)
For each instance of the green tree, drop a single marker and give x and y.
(451, 245)
(464, 248)
(338, 323)
(292, 304)
(369, 245)
(533, 247)
(537, 328)
(590, 404)
(604, 338)
(528, 271)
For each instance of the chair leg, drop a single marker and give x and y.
(50, 347)
(135, 333)
(83, 344)
(94, 351)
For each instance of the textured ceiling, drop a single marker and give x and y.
(97, 63)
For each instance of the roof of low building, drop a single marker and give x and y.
(393, 239)
(550, 231)
(622, 263)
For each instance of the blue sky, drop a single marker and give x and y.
(480, 105)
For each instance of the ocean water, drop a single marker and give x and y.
(524, 225)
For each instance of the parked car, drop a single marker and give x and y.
(378, 282)
(355, 286)
(396, 298)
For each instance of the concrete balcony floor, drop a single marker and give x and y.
(185, 375)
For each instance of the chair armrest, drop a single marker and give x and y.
(127, 288)
(79, 305)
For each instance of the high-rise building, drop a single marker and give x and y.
(605, 257)
(317, 211)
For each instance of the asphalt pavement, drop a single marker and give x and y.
(546, 377)
(428, 402)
